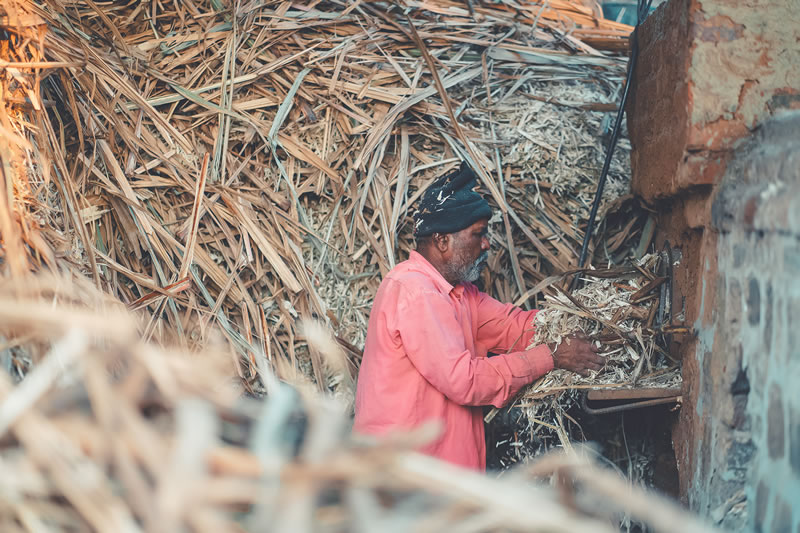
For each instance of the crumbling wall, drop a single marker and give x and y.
(747, 472)
(715, 144)
(709, 72)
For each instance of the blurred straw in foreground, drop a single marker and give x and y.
(142, 438)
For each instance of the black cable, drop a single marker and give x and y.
(642, 11)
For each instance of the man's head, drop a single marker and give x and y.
(451, 224)
(458, 256)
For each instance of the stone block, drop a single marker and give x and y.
(759, 191)
(753, 302)
(762, 500)
(794, 440)
(708, 73)
(740, 419)
(776, 435)
(733, 307)
(767, 326)
(791, 260)
(782, 518)
(740, 253)
(792, 332)
(740, 456)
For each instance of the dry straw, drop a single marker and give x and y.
(237, 166)
(626, 312)
(228, 170)
(109, 433)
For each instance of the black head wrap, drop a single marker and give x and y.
(450, 204)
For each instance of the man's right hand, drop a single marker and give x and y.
(578, 354)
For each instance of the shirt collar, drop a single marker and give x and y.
(435, 276)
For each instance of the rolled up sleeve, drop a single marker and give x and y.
(434, 342)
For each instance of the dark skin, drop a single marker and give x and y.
(452, 254)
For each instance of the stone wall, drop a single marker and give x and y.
(747, 472)
(715, 136)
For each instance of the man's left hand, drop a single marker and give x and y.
(578, 354)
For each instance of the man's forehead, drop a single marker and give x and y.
(481, 224)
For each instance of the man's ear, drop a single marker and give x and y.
(442, 241)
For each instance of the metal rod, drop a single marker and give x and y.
(643, 8)
(627, 406)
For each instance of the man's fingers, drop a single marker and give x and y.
(591, 361)
(588, 345)
(591, 355)
(591, 365)
(581, 356)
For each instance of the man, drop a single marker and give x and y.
(430, 330)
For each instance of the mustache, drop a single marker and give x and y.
(473, 271)
(483, 258)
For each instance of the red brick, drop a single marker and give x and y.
(718, 135)
(702, 168)
(708, 74)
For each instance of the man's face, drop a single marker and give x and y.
(469, 252)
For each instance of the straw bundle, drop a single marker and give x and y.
(109, 433)
(620, 313)
(626, 312)
(248, 164)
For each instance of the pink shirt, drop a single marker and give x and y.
(425, 359)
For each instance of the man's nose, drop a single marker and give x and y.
(485, 243)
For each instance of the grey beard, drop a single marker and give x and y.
(473, 272)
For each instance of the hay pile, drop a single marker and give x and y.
(620, 309)
(237, 166)
(627, 312)
(109, 433)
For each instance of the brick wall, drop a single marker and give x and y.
(716, 138)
